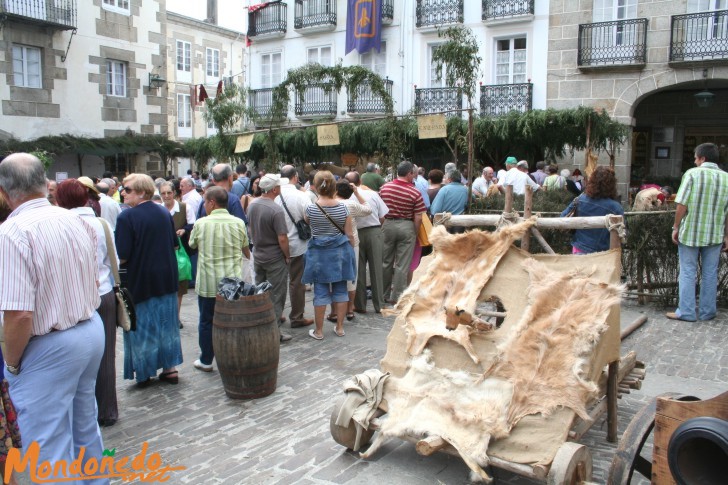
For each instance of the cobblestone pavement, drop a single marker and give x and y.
(284, 438)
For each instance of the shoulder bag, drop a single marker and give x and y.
(125, 312)
(302, 227)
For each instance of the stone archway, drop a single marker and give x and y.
(667, 123)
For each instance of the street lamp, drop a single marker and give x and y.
(704, 98)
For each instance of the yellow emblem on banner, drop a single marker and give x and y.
(327, 135)
(433, 126)
(243, 143)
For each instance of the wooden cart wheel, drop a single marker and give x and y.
(346, 436)
(572, 465)
(628, 457)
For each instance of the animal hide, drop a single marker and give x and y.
(541, 364)
(462, 265)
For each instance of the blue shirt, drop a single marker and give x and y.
(241, 186)
(451, 198)
(233, 207)
(592, 240)
(422, 185)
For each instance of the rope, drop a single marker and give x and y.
(444, 219)
(507, 219)
(618, 226)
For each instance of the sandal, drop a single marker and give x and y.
(340, 334)
(313, 335)
(350, 316)
(170, 376)
(331, 317)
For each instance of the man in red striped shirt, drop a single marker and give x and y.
(400, 229)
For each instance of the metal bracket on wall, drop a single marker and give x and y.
(68, 47)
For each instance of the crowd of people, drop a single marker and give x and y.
(349, 240)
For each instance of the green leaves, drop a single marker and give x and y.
(459, 56)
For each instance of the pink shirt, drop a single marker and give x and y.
(48, 266)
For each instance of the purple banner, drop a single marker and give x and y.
(363, 25)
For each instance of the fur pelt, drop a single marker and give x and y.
(541, 364)
(462, 265)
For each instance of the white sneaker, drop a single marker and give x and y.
(202, 367)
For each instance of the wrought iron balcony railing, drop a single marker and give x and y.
(503, 9)
(260, 102)
(431, 13)
(366, 101)
(268, 21)
(501, 99)
(314, 14)
(699, 36)
(615, 43)
(434, 100)
(317, 101)
(387, 11)
(59, 13)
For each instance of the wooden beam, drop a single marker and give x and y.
(527, 206)
(492, 220)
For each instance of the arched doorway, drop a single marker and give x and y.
(669, 124)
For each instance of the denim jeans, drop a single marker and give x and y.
(207, 312)
(709, 258)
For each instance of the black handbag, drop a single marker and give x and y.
(303, 228)
(125, 311)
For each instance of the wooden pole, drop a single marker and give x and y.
(632, 327)
(509, 200)
(470, 220)
(539, 237)
(527, 206)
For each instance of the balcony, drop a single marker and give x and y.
(59, 14)
(317, 102)
(501, 99)
(499, 11)
(387, 11)
(315, 16)
(699, 37)
(367, 102)
(430, 14)
(615, 43)
(260, 102)
(435, 100)
(268, 22)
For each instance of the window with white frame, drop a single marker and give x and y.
(116, 78)
(212, 64)
(184, 116)
(26, 66)
(184, 61)
(511, 61)
(437, 77)
(271, 70)
(121, 6)
(695, 6)
(375, 61)
(319, 55)
(606, 10)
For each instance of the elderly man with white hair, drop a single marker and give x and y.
(54, 338)
(482, 184)
(110, 209)
(190, 196)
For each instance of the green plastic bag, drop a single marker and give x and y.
(184, 265)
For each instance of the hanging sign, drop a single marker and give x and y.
(243, 143)
(327, 135)
(433, 126)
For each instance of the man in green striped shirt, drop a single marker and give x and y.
(221, 240)
(700, 232)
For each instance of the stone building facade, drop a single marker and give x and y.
(644, 62)
(82, 68)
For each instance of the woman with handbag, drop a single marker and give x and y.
(73, 195)
(330, 256)
(146, 244)
(183, 218)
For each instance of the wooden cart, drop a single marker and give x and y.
(689, 442)
(556, 458)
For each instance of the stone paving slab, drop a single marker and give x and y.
(284, 438)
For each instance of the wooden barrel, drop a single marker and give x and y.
(246, 341)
